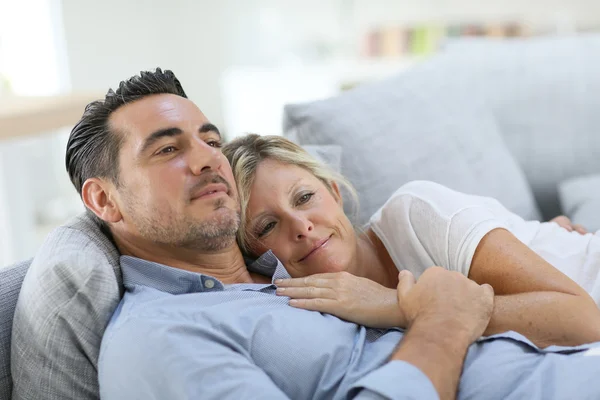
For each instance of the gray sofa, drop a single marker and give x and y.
(11, 279)
(513, 120)
(508, 119)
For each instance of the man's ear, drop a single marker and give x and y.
(335, 190)
(97, 195)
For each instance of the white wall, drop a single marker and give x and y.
(30, 176)
(6, 235)
(198, 40)
(535, 12)
(110, 40)
(17, 203)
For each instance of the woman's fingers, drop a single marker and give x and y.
(303, 282)
(563, 222)
(566, 223)
(309, 292)
(406, 280)
(321, 305)
(318, 280)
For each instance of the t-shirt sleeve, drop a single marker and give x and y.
(425, 224)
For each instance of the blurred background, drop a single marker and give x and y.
(239, 60)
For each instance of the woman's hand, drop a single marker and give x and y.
(355, 299)
(565, 222)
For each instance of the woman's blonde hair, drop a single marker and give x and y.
(246, 153)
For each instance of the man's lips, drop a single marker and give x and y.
(210, 190)
(317, 246)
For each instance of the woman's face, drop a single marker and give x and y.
(294, 214)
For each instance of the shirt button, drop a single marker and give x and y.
(209, 284)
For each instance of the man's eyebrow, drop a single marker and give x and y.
(209, 128)
(170, 132)
(157, 135)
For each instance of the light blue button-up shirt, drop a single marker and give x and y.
(182, 335)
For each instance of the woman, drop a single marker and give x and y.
(291, 204)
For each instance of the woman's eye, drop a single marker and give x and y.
(215, 144)
(305, 198)
(267, 228)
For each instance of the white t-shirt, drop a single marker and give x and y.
(425, 224)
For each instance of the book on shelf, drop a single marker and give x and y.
(425, 39)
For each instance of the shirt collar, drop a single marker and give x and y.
(268, 264)
(138, 272)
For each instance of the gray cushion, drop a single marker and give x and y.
(580, 200)
(11, 279)
(417, 126)
(68, 296)
(544, 94)
(331, 155)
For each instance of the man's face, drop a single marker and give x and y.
(175, 186)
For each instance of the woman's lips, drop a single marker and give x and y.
(318, 246)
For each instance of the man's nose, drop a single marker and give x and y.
(203, 157)
(301, 227)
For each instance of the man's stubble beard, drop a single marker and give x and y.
(215, 233)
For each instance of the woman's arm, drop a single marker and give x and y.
(532, 297)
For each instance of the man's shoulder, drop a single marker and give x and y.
(143, 305)
(140, 310)
(144, 310)
(131, 309)
(148, 321)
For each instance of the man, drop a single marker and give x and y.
(197, 322)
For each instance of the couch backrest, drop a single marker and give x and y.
(545, 95)
(419, 125)
(11, 279)
(542, 93)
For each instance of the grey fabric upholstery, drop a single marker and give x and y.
(543, 93)
(11, 279)
(580, 200)
(68, 296)
(418, 125)
(329, 155)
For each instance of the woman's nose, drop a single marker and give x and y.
(302, 227)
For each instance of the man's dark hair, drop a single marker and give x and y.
(93, 147)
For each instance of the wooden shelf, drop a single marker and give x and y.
(24, 116)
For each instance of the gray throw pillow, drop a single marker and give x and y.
(543, 92)
(330, 155)
(580, 200)
(69, 294)
(417, 125)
